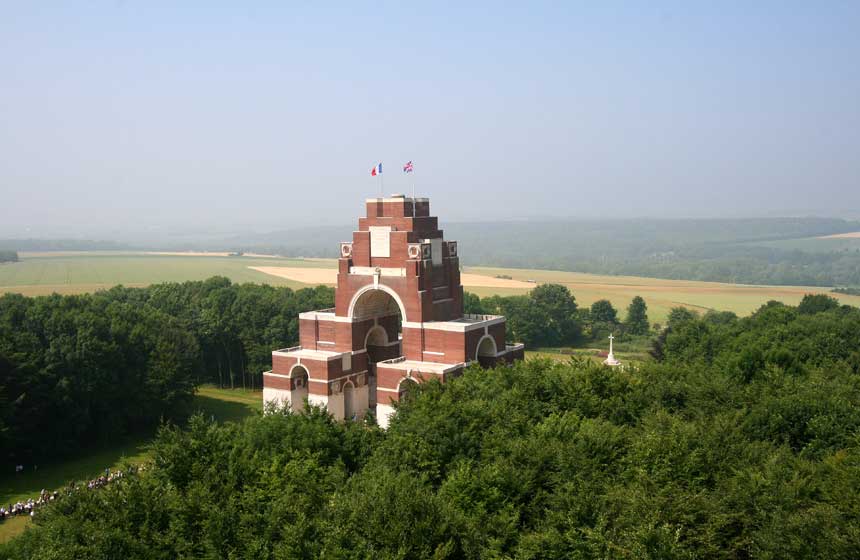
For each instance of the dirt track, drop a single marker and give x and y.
(851, 235)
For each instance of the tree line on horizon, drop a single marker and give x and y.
(8, 256)
(740, 440)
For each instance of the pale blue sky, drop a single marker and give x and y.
(270, 115)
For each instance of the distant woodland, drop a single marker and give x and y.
(740, 440)
(8, 256)
(61, 245)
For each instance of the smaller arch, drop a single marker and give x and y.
(348, 390)
(298, 371)
(373, 336)
(402, 387)
(299, 375)
(486, 347)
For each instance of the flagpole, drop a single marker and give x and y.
(381, 183)
(413, 191)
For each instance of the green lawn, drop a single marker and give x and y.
(222, 404)
(591, 352)
(12, 528)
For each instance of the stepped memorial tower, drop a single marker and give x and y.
(398, 319)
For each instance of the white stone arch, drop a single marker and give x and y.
(408, 378)
(348, 392)
(299, 367)
(375, 328)
(299, 394)
(383, 288)
(482, 344)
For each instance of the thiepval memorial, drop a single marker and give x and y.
(398, 319)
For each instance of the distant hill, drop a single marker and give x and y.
(61, 245)
(753, 251)
(782, 251)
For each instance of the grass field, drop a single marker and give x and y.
(630, 350)
(65, 273)
(222, 404)
(39, 274)
(591, 353)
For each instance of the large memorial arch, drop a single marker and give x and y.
(398, 319)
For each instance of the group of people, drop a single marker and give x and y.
(29, 507)
(108, 477)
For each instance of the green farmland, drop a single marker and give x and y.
(74, 273)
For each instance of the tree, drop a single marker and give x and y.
(678, 315)
(472, 304)
(525, 321)
(637, 317)
(602, 311)
(5, 407)
(8, 256)
(817, 303)
(559, 306)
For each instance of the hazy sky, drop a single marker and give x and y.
(268, 116)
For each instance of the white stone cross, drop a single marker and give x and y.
(610, 359)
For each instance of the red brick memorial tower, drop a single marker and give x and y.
(398, 319)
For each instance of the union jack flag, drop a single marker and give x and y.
(407, 167)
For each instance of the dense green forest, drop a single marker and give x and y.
(8, 256)
(740, 441)
(77, 370)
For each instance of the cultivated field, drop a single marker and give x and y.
(39, 274)
(329, 276)
(850, 235)
(660, 295)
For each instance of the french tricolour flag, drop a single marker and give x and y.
(377, 170)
